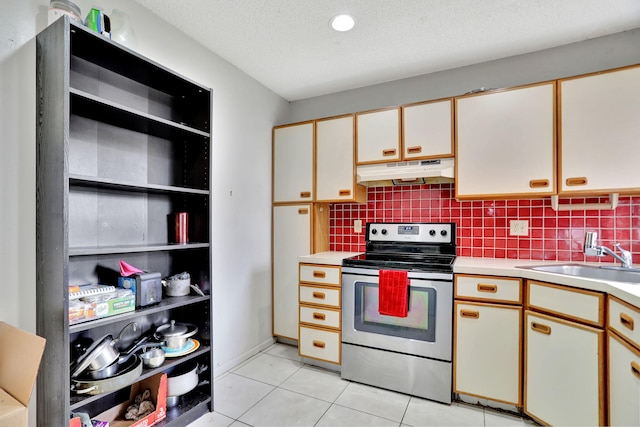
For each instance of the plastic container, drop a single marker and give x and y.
(58, 8)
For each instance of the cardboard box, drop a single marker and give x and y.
(83, 310)
(157, 384)
(20, 354)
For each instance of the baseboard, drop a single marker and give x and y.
(226, 367)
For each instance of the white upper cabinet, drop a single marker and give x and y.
(293, 163)
(427, 130)
(335, 174)
(599, 132)
(505, 143)
(378, 136)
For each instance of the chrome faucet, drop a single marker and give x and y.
(591, 248)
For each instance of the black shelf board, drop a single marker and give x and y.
(112, 184)
(192, 406)
(96, 108)
(78, 401)
(167, 303)
(106, 250)
(113, 56)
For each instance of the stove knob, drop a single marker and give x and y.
(432, 232)
(384, 231)
(374, 231)
(443, 233)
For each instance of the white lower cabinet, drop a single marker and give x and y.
(564, 371)
(624, 382)
(487, 351)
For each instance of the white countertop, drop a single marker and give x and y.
(628, 292)
(328, 257)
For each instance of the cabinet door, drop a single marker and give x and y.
(335, 175)
(378, 136)
(293, 163)
(624, 383)
(505, 143)
(428, 130)
(564, 371)
(487, 351)
(599, 131)
(291, 238)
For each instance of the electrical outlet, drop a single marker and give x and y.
(357, 226)
(518, 228)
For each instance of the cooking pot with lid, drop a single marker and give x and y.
(175, 335)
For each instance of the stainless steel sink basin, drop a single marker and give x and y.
(614, 274)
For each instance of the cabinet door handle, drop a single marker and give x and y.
(319, 344)
(319, 295)
(580, 180)
(319, 316)
(305, 194)
(626, 320)
(487, 287)
(303, 211)
(539, 183)
(635, 369)
(470, 314)
(319, 274)
(389, 152)
(414, 150)
(539, 327)
(344, 192)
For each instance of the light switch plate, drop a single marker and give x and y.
(518, 227)
(357, 226)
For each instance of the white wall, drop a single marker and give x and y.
(244, 112)
(597, 54)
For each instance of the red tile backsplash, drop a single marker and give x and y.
(483, 226)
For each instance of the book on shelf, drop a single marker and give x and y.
(79, 291)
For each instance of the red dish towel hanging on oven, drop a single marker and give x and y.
(393, 293)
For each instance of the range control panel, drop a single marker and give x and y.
(432, 232)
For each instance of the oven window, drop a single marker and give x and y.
(420, 323)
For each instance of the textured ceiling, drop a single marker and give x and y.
(287, 45)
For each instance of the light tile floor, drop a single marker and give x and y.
(276, 388)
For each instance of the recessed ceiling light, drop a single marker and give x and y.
(342, 22)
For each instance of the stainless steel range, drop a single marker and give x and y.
(409, 354)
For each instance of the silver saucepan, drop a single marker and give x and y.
(101, 354)
(175, 335)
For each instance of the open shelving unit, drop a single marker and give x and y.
(123, 143)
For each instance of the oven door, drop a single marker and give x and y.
(425, 332)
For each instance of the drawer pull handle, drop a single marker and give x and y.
(414, 150)
(319, 274)
(487, 287)
(635, 369)
(319, 295)
(389, 152)
(539, 327)
(303, 211)
(470, 314)
(319, 316)
(626, 320)
(539, 183)
(576, 181)
(319, 344)
(305, 194)
(344, 192)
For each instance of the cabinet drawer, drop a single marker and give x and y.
(320, 296)
(323, 274)
(488, 288)
(319, 344)
(625, 320)
(324, 317)
(576, 304)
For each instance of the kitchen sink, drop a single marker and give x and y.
(612, 273)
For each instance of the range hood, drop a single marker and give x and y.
(406, 173)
